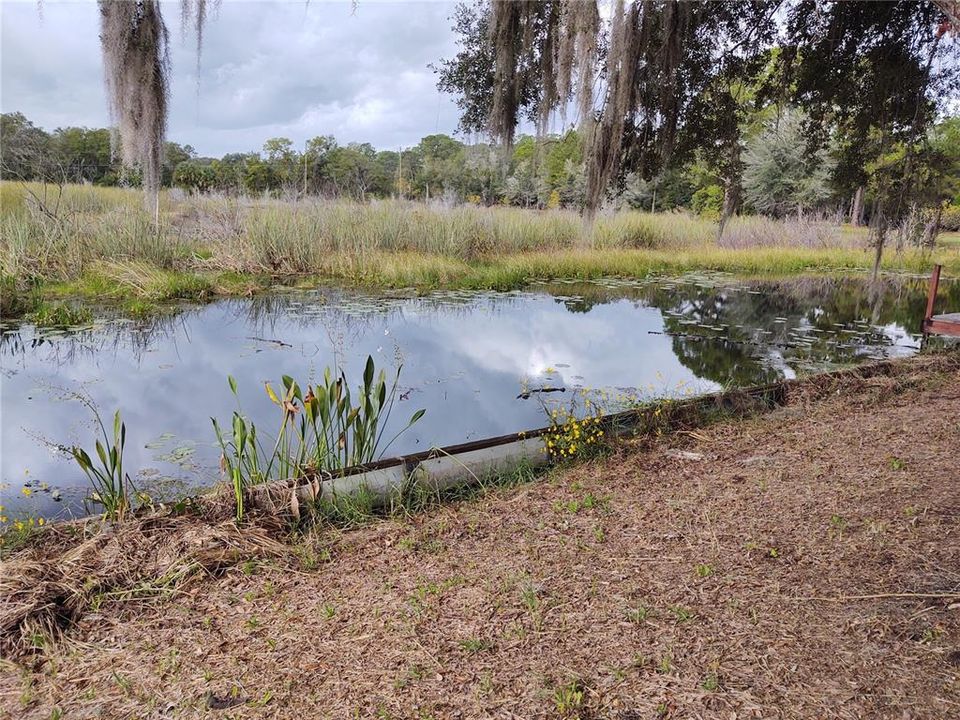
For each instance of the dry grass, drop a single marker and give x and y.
(805, 563)
(51, 237)
(82, 565)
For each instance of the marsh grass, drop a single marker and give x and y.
(88, 241)
(61, 315)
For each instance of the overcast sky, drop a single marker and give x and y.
(268, 69)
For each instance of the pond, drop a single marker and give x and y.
(469, 358)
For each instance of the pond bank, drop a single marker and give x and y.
(801, 563)
(140, 289)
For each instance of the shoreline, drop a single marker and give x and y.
(156, 291)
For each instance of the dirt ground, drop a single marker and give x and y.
(801, 564)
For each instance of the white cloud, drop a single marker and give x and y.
(268, 68)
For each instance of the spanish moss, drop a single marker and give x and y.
(136, 58)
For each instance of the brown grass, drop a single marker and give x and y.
(803, 563)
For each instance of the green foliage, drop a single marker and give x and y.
(61, 315)
(322, 431)
(195, 176)
(111, 486)
(569, 699)
(708, 201)
(780, 177)
(950, 219)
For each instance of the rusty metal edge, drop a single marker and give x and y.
(778, 391)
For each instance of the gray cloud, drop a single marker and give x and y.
(268, 69)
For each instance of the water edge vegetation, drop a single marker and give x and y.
(60, 242)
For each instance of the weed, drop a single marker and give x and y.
(711, 682)
(638, 614)
(568, 699)
(574, 430)
(262, 700)
(681, 613)
(896, 463)
(328, 611)
(18, 532)
(704, 570)
(530, 596)
(665, 665)
(474, 645)
(411, 674)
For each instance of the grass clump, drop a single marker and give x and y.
(321, 431)
(569, 699)
(60, 315)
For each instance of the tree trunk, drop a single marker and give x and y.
(731, 191)
(878, 225)
(856, 212)
(933, 228)
(731, 199)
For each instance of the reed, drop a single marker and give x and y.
(77, 240)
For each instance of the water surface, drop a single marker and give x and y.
(466, 357)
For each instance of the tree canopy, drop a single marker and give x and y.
(660, 82)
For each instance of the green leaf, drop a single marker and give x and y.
(233, 384)
(102, 453)
(368, 372)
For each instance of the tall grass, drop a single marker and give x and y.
(102, 235)
(51, 232)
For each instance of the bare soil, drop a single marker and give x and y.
(800, 564)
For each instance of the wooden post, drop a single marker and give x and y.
(931, 297)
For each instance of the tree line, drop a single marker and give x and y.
(780, 177)
(657, 84)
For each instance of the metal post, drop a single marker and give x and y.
(931, 298)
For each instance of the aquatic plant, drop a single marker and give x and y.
(61, 315)
(111, 487)
(574, 429)
(322, 431)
